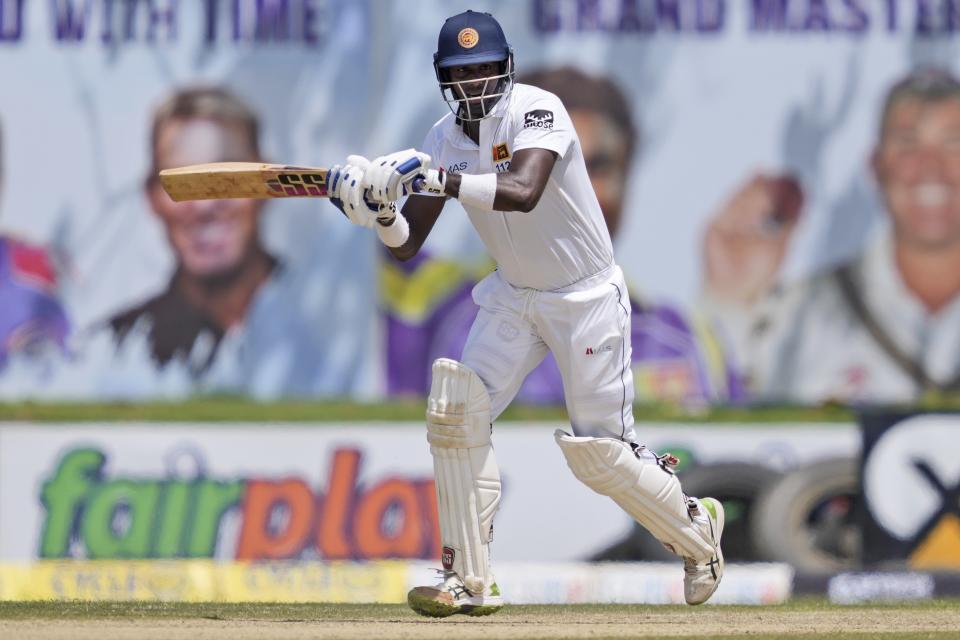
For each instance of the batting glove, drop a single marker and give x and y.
(432, 182)
(389, 176)
(345, 186)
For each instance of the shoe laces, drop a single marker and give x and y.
(457, 588)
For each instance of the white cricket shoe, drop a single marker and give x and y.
(450, 596)
(701, 580)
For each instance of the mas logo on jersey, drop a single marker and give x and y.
(468, 38)
(501, 152)
(591, 351)
(538, 119)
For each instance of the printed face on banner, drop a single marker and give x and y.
(707, 126)
(918, 168)
(605, 154)
(211, 238)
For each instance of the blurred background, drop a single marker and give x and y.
(187, 388)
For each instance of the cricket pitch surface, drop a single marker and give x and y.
(807, 619)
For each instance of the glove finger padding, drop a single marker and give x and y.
(333, 185)
(358, 161)
(351, 193)
(390, 174)
(348, 189)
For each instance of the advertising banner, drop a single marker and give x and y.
(378, 581)
(911, 489)
(356, 491)
(703, 124)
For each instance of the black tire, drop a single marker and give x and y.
(736, 485)
(808, 519)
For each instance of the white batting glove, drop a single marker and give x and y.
(389, 176)
(430, 183)
(345, 187)
(385, 214)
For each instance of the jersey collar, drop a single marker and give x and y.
(503, 104)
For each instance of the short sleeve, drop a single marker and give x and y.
(542, 123)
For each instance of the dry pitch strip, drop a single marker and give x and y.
(805, 619)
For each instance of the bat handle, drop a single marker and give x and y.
(416, 185)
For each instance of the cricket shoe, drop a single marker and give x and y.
(450, 596)
(701, 580)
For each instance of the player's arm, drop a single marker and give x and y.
(518, 189)
(421, 213)
(348, 191)
(366, 192)
(385, 179)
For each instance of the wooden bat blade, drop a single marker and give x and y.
(222, 180)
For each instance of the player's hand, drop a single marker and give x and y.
(389, 176)
(432, 182)
(747, 240)
(345, 187)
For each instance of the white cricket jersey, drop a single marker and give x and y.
(564, 239)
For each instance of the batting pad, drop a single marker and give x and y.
(467, 475)
(649, 493)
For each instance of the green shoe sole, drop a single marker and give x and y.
(432, 609)
(482, 610)
(429, 607)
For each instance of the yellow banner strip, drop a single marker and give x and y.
(205, 581)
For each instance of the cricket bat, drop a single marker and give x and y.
(222, 180)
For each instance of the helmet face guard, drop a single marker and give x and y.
(474, 108)
(470, 38)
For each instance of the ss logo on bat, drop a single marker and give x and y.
(299, 184)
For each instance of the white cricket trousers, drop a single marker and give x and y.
(587, 328)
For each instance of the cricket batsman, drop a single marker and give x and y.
(520, 176)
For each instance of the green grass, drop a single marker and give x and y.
(85, 610)
(225, 409)
(76, 609)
